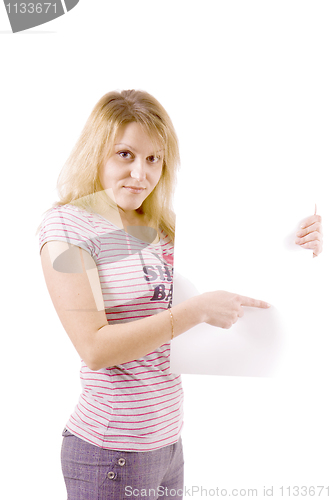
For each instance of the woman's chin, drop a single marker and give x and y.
(129, 208)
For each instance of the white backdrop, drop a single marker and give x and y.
(248, 86)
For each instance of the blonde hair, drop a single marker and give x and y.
(78, 182)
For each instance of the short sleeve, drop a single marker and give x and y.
(70, 224)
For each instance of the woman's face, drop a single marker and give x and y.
(133, 169)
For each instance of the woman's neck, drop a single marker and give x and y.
(133, 218)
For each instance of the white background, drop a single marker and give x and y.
(248, 86)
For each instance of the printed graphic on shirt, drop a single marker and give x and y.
(163, 273)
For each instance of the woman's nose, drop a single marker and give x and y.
(138, 170)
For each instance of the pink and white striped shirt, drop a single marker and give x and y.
(135, 406)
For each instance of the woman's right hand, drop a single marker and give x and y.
(223, 309)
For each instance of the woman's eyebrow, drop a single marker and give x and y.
(127, 146)
(133, 149)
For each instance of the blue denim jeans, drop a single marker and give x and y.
(94, 473)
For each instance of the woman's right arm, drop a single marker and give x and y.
(78, 300)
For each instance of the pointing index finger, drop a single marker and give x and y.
(249, 302)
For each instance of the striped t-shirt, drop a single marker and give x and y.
(135, 406)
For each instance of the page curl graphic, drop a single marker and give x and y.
(25, 15)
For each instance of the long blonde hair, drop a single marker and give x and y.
(78, 182)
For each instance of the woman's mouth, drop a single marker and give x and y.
(134, 190)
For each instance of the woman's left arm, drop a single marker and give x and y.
(311, 235)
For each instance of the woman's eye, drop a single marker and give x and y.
(153, 159)
(124, 154)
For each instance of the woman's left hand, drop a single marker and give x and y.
(311, 235)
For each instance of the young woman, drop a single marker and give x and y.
(107, 256)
